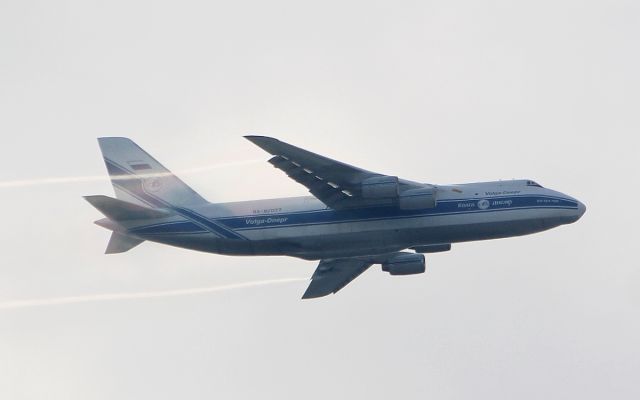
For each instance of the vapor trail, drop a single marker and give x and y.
(78, 179)
(139, 295)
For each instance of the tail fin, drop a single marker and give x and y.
(138, 178)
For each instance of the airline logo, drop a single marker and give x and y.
(483, 204)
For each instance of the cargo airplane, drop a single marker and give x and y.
(355, 218)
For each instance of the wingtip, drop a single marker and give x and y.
(315, 292)
(258, 138)
(308, 296)
(105, 138)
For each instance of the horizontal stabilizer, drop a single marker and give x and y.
(119, 243)
(119, 210)
(109, 224)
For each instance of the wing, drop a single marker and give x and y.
(336, 184)
(334, 274)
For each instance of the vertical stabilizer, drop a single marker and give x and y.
(139, 178)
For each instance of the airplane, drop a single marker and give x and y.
(355, 218)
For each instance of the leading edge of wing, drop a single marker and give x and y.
(318, 163)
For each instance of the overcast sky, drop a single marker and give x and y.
(433, 91)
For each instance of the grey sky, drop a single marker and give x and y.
(440, 92)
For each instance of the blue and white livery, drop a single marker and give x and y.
(355, 218)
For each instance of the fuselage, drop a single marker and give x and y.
(304, 227)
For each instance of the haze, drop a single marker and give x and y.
(440, 92)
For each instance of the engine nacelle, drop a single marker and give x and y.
(385, 190)
(405, 264)
(417, 199)
(380, 187)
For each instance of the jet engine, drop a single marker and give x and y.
(404, 264)
(380, 187)
(387, 190)
(417, 199)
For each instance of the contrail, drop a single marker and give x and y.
(139, 295)
(78, 179)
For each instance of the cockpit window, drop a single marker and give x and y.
(532, 183)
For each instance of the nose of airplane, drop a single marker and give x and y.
(574, 214)
(581, 210)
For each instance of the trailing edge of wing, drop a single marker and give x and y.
(333, 275)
